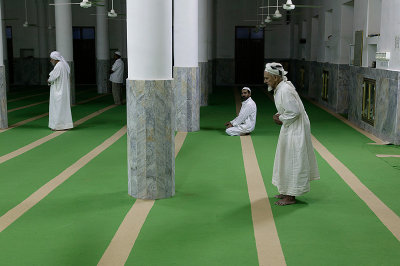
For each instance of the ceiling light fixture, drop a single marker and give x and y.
(289, 5)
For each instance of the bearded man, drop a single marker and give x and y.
(295, 164)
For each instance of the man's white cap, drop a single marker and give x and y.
(117, 53)
(246, 88)
(275, 69)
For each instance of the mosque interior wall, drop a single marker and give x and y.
(314, 41)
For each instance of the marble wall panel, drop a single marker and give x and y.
(7, 74)
(225, 71)
(151, 147)
(203, 72)
(3, 98)
(26, 71)
(72, 81)
(186, 86)
(345, 94)
(44, 70)
(102, 76)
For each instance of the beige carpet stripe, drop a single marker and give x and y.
(12, 215)
(269, 249)
(20, 123)
(388, 155)
(26, 97)
(179, 140)
(383, 212)
(39, 142)
(46, 101)
(124, 239)
(43, 115)
(27, 106)
(91, 99)
(268, 245)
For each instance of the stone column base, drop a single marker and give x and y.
(3, 98)
(72, 82)
(187, 98)
(102, 76)
(151, 138)
(203, 66)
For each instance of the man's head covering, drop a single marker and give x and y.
(275, 69)
(57, 56)
(246, 88)
(118, 53)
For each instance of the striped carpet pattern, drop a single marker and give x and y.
(212, 219)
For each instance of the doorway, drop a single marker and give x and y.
(84, 55)
(249, 55)
(10, 54)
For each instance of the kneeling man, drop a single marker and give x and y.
(246, 121)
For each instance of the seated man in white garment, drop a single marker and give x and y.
(246, 121)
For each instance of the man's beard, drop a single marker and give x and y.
(53, 63)
(244, 98)
(270, 88)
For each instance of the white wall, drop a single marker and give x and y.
(26, 38)
(390, 29)
(233, 13)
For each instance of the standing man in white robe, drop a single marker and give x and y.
(295, 164)
(60, 117)
(246, 121)
(117, 78)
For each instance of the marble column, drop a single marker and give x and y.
(210, 46)
(51, 40)
(44, 65)
(150, 100)
(203, 52)
(63, 18)
(186, 72)
(3, 89)
(4, 40)
(102, 49)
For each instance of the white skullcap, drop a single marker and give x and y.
(246, 88)
(275, 69)
(117, 53)
(57, 56)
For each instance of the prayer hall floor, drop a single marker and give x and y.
(209, 220)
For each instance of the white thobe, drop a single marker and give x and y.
(246, 120)
(60, 108)
(118, 71)
(295, 164)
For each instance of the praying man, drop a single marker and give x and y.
(117, 77)
(60, 117)
(246, 121)
(295, 164)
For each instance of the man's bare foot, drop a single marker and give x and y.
(280, 196)
(287, 200)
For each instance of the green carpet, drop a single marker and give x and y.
(20, 115)
(75, 223)
(331, 225)
(26, 173)
(351, 148)
(14, 139)
(208, 221)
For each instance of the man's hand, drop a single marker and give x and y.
(276, 119)
(228, 124)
